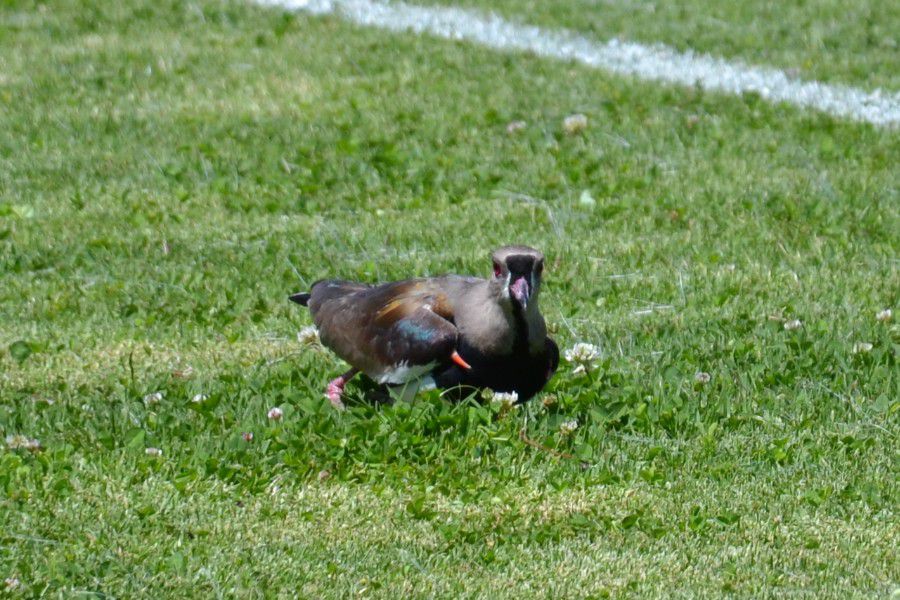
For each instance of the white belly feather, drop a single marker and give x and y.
(404, 373)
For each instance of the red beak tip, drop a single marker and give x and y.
(455, 357)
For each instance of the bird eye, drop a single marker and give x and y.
(497, 270)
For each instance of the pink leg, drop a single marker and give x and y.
(335, 388)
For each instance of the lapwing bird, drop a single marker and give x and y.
(456, 332)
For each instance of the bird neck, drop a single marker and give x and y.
(530, 329)
(490, 325)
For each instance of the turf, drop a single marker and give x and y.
(170, 171)
(827, 40)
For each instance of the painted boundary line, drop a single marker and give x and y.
(653, 63)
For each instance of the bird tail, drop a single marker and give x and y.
(330, 289)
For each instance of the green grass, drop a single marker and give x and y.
(827, 40)
(170, 171)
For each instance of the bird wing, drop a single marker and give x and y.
(394, 332)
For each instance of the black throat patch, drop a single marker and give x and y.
(520, 341)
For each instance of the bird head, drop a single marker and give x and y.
(517, 274)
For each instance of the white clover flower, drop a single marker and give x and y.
(11, 583)
(884, 315)
(514, 126)
(506, 400)
(153, 399)
(702, 377)
(792, 325)
(568, 427)
(199, 398)
(575, 123)
(308, 336)
(584, 356)
(154, 452)
(16, 442)
(862, 347)
(583, 353)
(248, 436)
(22, 442)
(275, 414)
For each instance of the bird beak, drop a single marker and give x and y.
(520, 289)
(455, 357)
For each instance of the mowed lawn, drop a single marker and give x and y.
(170, 171)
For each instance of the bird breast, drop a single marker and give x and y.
(487, 327)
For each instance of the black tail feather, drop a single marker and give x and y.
(301, 298)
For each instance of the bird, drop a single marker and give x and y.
(451, 332)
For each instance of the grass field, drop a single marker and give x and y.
(170, 171)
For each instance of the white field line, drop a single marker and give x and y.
(654, 63)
